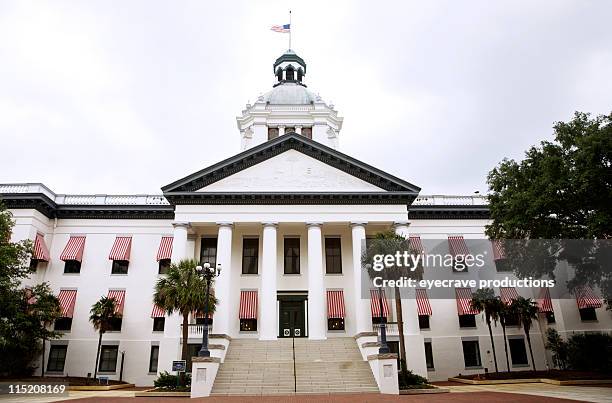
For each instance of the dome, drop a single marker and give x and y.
(290, 94)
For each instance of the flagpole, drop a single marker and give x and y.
(289, 29)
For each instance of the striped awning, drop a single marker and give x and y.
(498, 249)
(335, 304)
(423, 305)
(119, 297)
(121, 248)
(158, 312)
(165, 248)
(586, 298)
(507, 294)
(248, 305)
(416, 246)
(457, 246)
(74, 249)
(41, 252)
(375, 303)
(464, 301)
(67, 298)
(544, 301)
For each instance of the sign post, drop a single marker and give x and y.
(179, 366)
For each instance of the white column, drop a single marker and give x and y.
(268, 328)
(223, 313)
(281, 130)
(179, 242)
(316, 286)
(363, 322)
(298, 129)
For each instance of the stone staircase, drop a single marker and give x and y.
(254, 367)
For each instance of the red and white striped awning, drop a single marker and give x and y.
(375, 303)
(507, 294)
(416, 246)
(498, 249)
(586, 298)
(121, 248)
(248, 305)
(158, 312)
(423, 305)
(67, 298)
(544, 301)
(165, 248)
(74, 249)
(41, 252)
(119, 297)
(457, 245)
(464, 301)
(335, 304)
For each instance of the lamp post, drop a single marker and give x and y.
(207, 273)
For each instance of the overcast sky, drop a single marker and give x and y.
(128, 96)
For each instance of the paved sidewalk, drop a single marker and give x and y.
(597, 394)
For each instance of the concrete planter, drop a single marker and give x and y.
(423, 391)
(154, 393)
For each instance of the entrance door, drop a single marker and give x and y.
(292, 319)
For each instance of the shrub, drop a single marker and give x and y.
(590, 352)
(168, 381)
(407, 379)
(558, 346)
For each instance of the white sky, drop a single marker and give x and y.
(128, 96)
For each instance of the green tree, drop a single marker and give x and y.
(526, 310)
(44, 307)
(558, 346)
(182, 290)
(102, 316)
(484, 300)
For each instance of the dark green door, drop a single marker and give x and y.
(292, 319)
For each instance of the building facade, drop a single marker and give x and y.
(286, 219)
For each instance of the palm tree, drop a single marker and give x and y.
(526, 311)
(484, 300)
(102, 315)
(182, 290)
(503, 310)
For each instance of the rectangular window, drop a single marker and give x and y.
(57, 358)
(272, 133)
(423, 321)
(429, 355)
(335, 324)
(250, 255)
(33, 263)
(550, 318)
(120, 267)
(63, 324)
(307, 132)
(467, 320)
(501, 265)
(72, 266)
(471, 353)
(116, 325)
(333, 256)
(292, 255)
(164, 265)
(248, 325)
(518, 353)
(153, 358)
(108, 358)
(208, 251)
(588, 314)
(512, 320)
(158, 324)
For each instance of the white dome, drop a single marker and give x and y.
(290, 94)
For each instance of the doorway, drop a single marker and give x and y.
(292, 316)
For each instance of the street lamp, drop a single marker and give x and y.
(207, 273)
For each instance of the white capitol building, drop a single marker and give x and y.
(285, 218)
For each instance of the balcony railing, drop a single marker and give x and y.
(196, 330)
(392, 329)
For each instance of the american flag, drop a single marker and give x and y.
(283, 29)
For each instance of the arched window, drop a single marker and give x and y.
(300, 74)
(289, 72)
(279, 74)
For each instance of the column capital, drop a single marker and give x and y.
(181, 224)
(314, 224)
(401, 224)
(358, 223)
(269, 224)
(225, 224)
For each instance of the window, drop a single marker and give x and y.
(471, 353)
(200, 321)
(158, 324)
(467, 320)
(115, 325)
(33, 263)
(279, 74)
(292, 255)
(588, 314)
(164, 265)
(394, 349)
(63, 324)
(289, 73)
(250, 254)
(307, 132)
(248, 325)
(423, 321)
(300, 74)
(502, 265)
(108, 358)
(429, 355)
(550, 318)
(512, 320)
(72, 266)
(459, 265)
(518, 353)
(208, 251)
(272, 133)
(57, 358)
(335, 324)
(120, 267)
(153, 358)
(333, 256)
